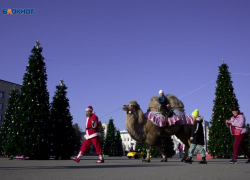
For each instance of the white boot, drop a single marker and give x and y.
(101, 159)
(80, 154)
(78, 158)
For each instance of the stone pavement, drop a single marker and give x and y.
(122, 168)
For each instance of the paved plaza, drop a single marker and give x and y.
(121, 168)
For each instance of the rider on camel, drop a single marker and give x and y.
(165, 105)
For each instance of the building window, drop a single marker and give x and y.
(1, 106)
(1, 95)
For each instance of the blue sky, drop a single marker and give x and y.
(112, 51)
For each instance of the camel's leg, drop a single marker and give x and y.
(147, 159)
(164, 157)
(184, 135)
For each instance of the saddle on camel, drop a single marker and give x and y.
(176, 112)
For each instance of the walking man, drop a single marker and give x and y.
(91, 136)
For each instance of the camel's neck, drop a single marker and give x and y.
(135, 125)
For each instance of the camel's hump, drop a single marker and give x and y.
(175, 102)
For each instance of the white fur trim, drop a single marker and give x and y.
(101, 156)
(88, 109)
(80, 154)
(87, 136)
(87, 121)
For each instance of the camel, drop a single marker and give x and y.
(142, 129)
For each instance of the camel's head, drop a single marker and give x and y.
(154, 104)
(132, 107)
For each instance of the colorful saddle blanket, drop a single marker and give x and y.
(180, 116)
(158, 119)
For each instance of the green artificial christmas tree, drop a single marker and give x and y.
(168, 146)
(141, 146)
(34, 108)
(77, 137)
(118, 144)
(220, 139)
(101, 131)
(109, 143)
(154, 152)
(62, 142)
(9, 134)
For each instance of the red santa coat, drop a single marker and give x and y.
(91, 130)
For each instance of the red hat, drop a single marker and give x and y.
(89, 108)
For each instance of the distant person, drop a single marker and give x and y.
(91, 136)
(180, 147)
(197, 138)
(131, 149)
(238, 129)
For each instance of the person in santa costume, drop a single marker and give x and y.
(91, 136)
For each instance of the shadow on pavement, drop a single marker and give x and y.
(86, 167)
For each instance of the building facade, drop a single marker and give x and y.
(105, 129)
(5, 89)
(127, 142)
